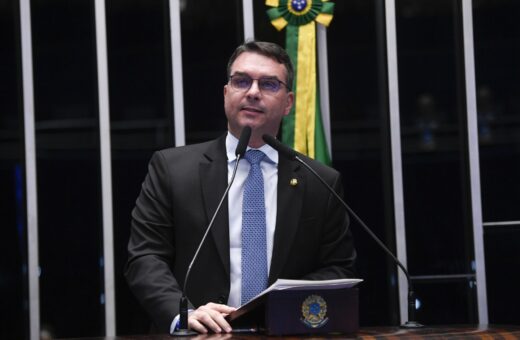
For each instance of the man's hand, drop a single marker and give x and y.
(210, 317)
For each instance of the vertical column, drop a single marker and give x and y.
(178, 92)
(395, 142)
(474, 164)
(106, 167)
(30, 170)
(323, 71)
(248, 19)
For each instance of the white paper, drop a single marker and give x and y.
(284, 284)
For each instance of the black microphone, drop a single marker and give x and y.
(183, 330)
(293, 155)
(245, 135)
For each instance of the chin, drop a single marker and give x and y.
(251, 123)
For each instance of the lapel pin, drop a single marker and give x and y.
(293, 182)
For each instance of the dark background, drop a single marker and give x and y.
(433, 120)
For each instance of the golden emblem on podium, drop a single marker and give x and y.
(314, 311)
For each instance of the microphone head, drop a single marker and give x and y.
(278, 146)
(245, 135)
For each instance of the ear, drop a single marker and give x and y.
(289, 103)
(225, 90)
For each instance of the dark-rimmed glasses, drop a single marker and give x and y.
(243, 82)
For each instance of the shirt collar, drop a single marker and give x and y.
(231, 146)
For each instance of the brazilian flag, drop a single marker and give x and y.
(302, 129)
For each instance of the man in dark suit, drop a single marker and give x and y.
(306, 228)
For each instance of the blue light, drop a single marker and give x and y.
(418, 304)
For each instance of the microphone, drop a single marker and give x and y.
(183, 330)
(245, 135)
(293, 155)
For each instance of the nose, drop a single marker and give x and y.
(254, 90)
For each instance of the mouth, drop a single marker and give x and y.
(252, 109)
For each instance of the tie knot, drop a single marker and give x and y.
(254, 156)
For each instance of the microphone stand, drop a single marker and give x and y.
(410, 323)
(183, 304)
(291, 154)
(183, 310)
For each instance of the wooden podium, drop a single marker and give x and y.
(461, 332)
(302, 311)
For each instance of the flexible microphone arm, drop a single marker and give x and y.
(291, 154)
(183, 304)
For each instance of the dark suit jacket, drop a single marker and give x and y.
(178, 197)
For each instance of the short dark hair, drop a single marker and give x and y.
(267, 49)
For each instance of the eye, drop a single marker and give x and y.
(241, 82)
(268, 84)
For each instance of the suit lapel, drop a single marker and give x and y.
(213, 179)
(290, 198)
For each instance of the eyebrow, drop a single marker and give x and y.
(246, 74)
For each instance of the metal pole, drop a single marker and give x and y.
(30, 171)
(474, 166)
(323, 71)
(176, 53)
(395, 141)
(248, 19)
(106, 168)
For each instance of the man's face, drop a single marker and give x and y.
(259, 109)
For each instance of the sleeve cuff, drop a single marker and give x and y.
(176, 321)
(175, 324)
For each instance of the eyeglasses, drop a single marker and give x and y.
(243, 82)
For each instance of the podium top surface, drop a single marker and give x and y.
(434, 332)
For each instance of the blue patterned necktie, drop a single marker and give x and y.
(254, 246)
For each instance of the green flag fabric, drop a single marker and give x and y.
(303, 128)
